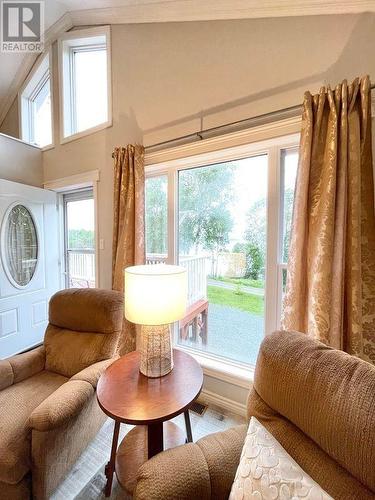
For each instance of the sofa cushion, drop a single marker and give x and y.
(266, 470)
(16, 403)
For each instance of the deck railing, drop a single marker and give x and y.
(196, 271)
(81, 268)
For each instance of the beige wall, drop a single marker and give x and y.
(10, 123)
(171, 79)
(166, 77)
(20, 162)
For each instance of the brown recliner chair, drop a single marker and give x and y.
(49, 412)
(318, 402)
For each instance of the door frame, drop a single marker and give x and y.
(64, 185)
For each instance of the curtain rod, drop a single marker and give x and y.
(279, 114)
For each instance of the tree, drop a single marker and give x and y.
(205, 219)
(81, 239)
(256, 232)
(288, 214)
(254, 259)
(256, 226)
(256, 262)
(156, 215)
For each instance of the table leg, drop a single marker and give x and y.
(188, 427)
(110, 467)
(155, 439)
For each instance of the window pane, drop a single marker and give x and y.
(90, 88)
(21, 240)
(42, 116)
(289, 164)
(157, 218)
(222, 243)
(80, 243)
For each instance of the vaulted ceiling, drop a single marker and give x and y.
(61, 15)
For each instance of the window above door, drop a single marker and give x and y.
(85, 82)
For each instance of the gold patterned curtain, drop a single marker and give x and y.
(330, 292)
(128, 224)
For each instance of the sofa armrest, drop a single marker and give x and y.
(6, 374)
(203, 470)
(92, 373)
(180, 472)
(21, 366)
(61, 406)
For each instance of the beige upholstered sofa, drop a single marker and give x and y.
(319, 403)
(49, 411)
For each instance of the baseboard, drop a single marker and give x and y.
(211, 398)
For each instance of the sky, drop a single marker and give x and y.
(250, 185)
(81, 214)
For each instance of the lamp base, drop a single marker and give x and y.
(156, 350)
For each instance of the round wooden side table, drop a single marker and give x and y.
(127, 396)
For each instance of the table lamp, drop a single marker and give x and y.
(155, 297)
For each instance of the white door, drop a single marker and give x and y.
(29, 264)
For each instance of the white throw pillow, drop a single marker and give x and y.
(266, 471)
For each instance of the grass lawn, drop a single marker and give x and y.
(242, 281)
(244, 301)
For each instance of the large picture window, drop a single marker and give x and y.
(227, 219)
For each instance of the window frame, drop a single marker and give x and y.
(229, 370)
(69, 44)
(85, 193)
(282, 265)
(31, 88)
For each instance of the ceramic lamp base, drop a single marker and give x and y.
(156, 350)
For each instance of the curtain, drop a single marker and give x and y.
(330, 290)
(128, 224)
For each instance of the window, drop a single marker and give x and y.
(79, 221)
(36, 106)
(226, 217)
(21, 245)
(85, 80)
(222, 224)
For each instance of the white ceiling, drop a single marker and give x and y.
(61, 15)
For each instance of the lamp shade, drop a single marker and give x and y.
(155, 294)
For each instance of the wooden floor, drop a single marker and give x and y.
(86, 480)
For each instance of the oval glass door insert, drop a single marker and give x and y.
(21, 245)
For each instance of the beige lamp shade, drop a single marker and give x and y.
(155, 294)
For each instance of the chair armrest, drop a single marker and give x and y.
(21, 366)
(61, 406)
(203, 470)
(92, 373)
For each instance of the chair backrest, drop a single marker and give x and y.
(84, 328)
(326, 393)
